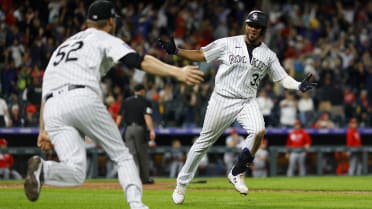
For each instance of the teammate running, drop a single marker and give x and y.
(245, 60)
(72, 106)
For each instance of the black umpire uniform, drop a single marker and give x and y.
(134, 111)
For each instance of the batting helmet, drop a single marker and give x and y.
(257, 18)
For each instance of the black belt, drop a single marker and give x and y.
(69, 88)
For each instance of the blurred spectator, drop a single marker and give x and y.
(288, 110)
(324, 121)
(337, 99)
(7, 162)
(32, 118)
(234, 142)
(5, 120)
(324, 95)
(342, 160)
(16, 51)
(349, 102)
(266, 105)
(261, 158)
(174, 159)
(15, 115)
(32, 93)
(353, 140)
(8, 79)
(298, 142)
(306, 108)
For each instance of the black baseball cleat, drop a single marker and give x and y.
(34, 178)
(149, 181)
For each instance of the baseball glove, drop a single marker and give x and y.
(169, 47)
(306, 84)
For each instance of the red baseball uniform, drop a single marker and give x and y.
(298, 138)
(353, 138)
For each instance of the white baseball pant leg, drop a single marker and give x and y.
(220, 114)
(82, 111)
(251, 119)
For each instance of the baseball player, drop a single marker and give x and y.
(244, 61)
(72, 106)
(354, 140)
(300, 140)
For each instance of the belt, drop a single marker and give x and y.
(63, 89)
(134, 124)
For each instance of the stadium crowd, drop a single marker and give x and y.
(331, 39)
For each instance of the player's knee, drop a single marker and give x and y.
(79, 176)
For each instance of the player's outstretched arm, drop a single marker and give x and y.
(171, 48)
(190, 75)
(289, 83)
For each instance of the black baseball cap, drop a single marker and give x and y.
(101, 10)
(139, 87)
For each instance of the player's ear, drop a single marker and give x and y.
(111, 21)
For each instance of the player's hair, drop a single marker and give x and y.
(100, 24)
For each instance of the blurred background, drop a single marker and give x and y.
(331, 39)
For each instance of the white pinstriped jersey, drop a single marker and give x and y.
(239, 75)
(83, 59)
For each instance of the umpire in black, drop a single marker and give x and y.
(139, 130)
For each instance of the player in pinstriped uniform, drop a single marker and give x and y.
(72, 106)
(244, 61)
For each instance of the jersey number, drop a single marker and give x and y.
(66, 52)
(255, 79)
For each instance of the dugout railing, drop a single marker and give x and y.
(274, 152)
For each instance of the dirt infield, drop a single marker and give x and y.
(170, 186)
(104, 185)
(116, 185)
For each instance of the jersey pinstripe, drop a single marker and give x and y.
(83, 59)
(239, 75)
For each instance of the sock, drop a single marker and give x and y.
(244, 158)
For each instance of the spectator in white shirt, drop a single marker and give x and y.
(266, 105)
(288, 110)
(305, 108)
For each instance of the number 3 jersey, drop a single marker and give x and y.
(83, 59)
(239, 74)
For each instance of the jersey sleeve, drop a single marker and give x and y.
(148, 107)
(214, 50)
(117, 48)
(276, 71)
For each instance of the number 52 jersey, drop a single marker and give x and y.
(239, 74)
(83, 59)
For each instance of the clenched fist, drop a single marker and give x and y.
(44, 143)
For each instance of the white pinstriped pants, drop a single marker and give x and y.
(68, 118)
(221, 113)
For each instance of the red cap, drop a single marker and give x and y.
(31, 108)
(3, 141)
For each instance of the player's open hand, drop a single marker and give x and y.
(44, 143)
(191, 75)
(169, 47)
(306, 84)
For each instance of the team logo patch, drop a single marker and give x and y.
(254, 16)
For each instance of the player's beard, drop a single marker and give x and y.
(253, 37)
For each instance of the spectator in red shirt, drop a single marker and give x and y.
(7, 162)
(353, 140)
(299, 142)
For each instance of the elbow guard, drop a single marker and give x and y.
(132, 60)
